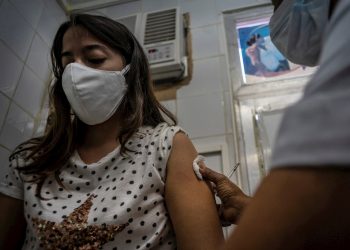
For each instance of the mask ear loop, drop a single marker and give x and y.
(125, 70)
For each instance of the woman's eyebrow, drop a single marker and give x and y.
(87, 48)
(91, 47)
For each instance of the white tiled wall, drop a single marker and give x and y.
(13, 24)
(123, 9)
(18, 127)
(206, 78)
(202, 115)
(202, 12)
(38, 58)
(48, 22)
(10, 68)
(223, 5)
(4, 105)
(30, 102)
(27, 28)
(32, 16)
(205, 42)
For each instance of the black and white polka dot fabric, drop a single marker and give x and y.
(126, 188)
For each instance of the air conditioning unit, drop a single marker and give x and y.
(163, 39)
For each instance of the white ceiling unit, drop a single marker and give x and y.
(71, 6)
(162, 36)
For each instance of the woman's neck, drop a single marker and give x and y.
(99, 140)
(102, 134)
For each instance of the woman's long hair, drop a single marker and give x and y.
(47, 154)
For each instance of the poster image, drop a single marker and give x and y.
(260, 60)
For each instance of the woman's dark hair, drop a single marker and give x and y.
(47, 154)
(276, 3)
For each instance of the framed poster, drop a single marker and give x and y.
(260, 60)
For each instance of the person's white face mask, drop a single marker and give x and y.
(297, 28)
(93, 94)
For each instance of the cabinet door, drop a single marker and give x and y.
(258, 123)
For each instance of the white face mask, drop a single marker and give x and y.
(297, 28)
(93, 94)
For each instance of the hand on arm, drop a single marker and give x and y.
(190, 202)
(12, 223)
(234, 201)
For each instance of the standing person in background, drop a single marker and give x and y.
(304, 201)
(109, 173)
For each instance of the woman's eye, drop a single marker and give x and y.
(97, 61)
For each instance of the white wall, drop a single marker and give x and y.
(27, 28)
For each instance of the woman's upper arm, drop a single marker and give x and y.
(12, 223)
(190, 202)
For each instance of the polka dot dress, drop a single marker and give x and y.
(115, 203)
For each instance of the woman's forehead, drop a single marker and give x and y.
(78, 36)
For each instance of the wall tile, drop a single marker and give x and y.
(202, 12)
(228, 112)
(18, 127)
(10, 70)
(231, 4)
(4, 162)
(39, 130)
(206, 78)
(122, 10)
(30, 83)
(31, 10)
(171, 106)
(224, 73)
(47, 26)
(223, 5)
(205, 42)
(4, 105)
(38, 58)
(55, 9)
(153, 5)
(202, 116)
(15, 31)
(210, 140)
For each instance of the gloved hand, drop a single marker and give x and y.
(234, 201)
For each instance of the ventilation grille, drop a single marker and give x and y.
(160, 27)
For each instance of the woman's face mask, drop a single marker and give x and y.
(297, 28)
(93, 94)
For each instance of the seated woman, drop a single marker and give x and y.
(109, 173)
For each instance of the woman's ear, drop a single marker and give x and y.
(124, 61)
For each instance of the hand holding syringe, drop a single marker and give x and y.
(232, 197)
